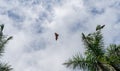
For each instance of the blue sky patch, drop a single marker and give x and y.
(97, 11)
(116, 5)
(14, 16)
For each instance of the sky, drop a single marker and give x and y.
(32, 23)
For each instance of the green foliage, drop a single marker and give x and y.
(5, 67)
(97, 58)
(3, 41)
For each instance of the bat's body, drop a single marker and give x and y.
(56, 36)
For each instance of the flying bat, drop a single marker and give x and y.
(56, 36)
